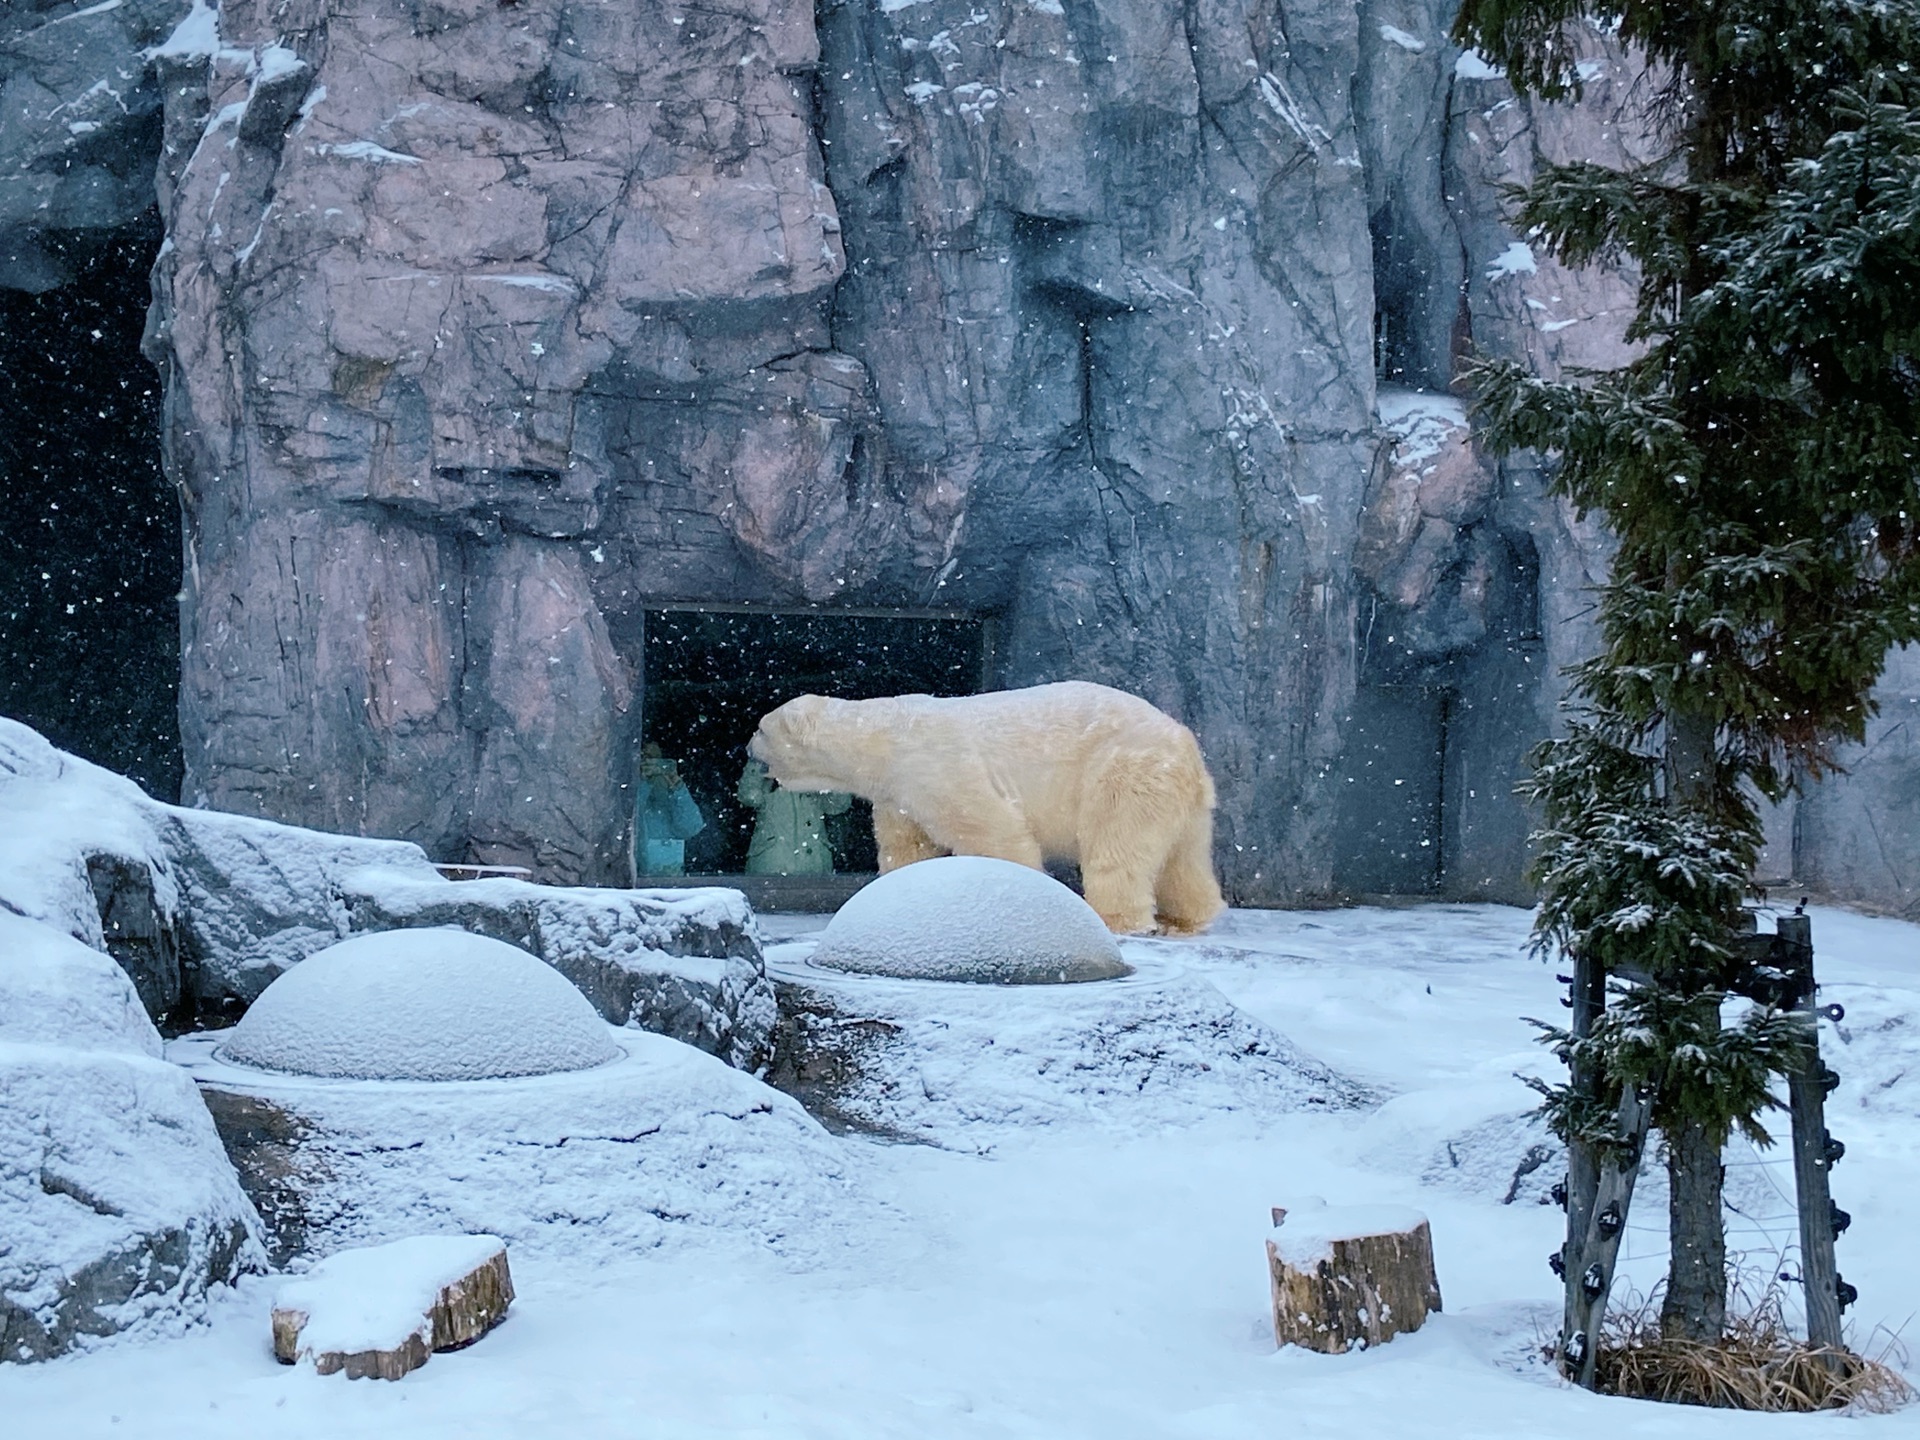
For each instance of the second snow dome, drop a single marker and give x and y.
(420, 1005)
(968, 918)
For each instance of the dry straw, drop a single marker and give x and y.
(1759, 1364)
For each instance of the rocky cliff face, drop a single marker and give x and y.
(488, 326)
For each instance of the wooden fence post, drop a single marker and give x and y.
(1589, 999)
(1587, 1287)
(1814, 1150)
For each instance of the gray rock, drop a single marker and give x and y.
(1857, 832)
(1539, 563)
(138, 930)
(260, 898)
(1854, 835)
(80, 117)
(1402, 97)
(257, 898)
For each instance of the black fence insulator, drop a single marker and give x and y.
(1835, 1013)
(1838, 1218)
(1593, 1280)
(1558, 1194)
(1575, 1350)
(1845, 1292)
(1557, 1262)
(1833, 1150)
(1609, 1220)
(1566, 1003)
(1564, 979)
(1630, 1153)
(1829, 1080)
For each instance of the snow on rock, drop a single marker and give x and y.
(682, 963)
(420, 1005)
(1472, 65)
(196, 37)
(968, 1066)
(258, 898)
(1305, 1237)
(974, 919)
(665, 1145)
(56, 991)
(118, 1207)
(243, 898)
(56, 810)
(1422, 421)
(378, 1297)
(1516, 259)
(209, 909)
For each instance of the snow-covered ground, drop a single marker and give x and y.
(1108, 1280)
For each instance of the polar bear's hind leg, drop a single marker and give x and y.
(1132, 814)
(1186, 896)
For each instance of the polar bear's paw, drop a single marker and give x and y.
(1179, 929)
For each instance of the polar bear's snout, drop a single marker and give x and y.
(782, 743)
(770, 752)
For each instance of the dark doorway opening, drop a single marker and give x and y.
(89, 525)
(1388, 834)
(710, 673)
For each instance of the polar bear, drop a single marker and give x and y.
(1056, 772)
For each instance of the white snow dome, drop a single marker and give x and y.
(968, 918)
(420, 1005)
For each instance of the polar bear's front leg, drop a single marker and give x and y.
(899, 840)
(1118, 897)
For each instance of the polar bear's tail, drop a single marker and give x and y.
(1186, 897)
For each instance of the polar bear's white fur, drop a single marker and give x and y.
(1057, 772)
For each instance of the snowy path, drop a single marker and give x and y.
(1088, 1286)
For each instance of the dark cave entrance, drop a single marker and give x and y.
(89, 525)
(710, 672)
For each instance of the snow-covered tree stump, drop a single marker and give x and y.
(383, 1310)
(1350, 1276)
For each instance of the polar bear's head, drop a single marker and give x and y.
(788, 743)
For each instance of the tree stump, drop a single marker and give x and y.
(1350, 1276)
(384, 1310)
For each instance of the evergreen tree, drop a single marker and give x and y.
(1757, 463)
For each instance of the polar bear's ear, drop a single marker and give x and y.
(801, 716)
